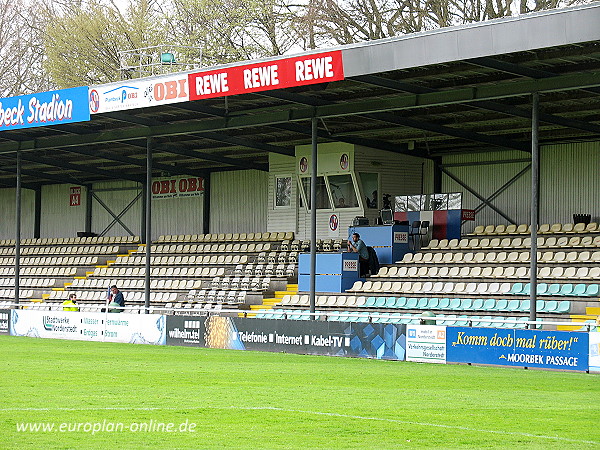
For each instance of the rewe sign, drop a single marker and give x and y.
(177, 187)
(278, 74)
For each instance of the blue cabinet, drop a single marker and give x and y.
(335, 272)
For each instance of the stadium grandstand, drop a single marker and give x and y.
(192, 191)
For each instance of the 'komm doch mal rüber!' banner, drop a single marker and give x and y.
(564, 350)
(44, 109)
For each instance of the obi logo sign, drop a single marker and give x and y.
(179, 187)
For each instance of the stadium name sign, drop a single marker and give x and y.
(277, 74)
(44, 109)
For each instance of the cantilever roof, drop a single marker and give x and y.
(459, 89)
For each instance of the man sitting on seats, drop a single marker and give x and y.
(71, 303)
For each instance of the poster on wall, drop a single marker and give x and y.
(426, 343)
(565, 350)
(366, 340)
(177, 187)
(128, 328)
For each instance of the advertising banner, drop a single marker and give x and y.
(277, 74)
(4, 318)
(426, 343)
(366, 340)
(564, 350)
(141, 93)
(594, 351)
(130, 328)
(44, 109)
(177, 187)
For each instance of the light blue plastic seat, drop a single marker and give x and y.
(380, 301)
(592, 290)
(553, 289)
(525, 305)
(489, 304)
(462, 321)
(551, 306)
(542, 288)
(516, 289)
(370, 302)
(501, 305)
(411, 303)
(433, 303)
(579, 290)
(390, 302)
(526, 289)
(466, 304)
(400, 302)
(422, 303)
(455, 304)
(566, 289)
(477, 304)
(444, 303)
(540, 306)
(563, 306)
(513, 305)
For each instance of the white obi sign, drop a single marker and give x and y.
(141, 93)
(111, 327)
(426, 343)
(595, 352)
(350, 265)
(400, 237)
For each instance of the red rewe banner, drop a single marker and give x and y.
(278, 74)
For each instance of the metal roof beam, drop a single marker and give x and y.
(441, 129)
(43, 175)
(488, 105)
(174, 170)
(516, 69)
(212, 136)
(79, 168)
(183, 151)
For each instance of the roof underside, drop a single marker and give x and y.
(475, 105)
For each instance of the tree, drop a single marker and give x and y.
(82, 39)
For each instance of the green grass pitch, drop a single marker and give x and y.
(237, 399)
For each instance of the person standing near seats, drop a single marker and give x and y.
(357, 245)
(71, 303)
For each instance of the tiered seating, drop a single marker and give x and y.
(486, 274)
(555, 228)
(199, 271)
(45, 266)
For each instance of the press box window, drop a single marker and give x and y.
(322, 194)
(342, 191)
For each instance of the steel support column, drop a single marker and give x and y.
(535, 198)
(18, 229)
(88, 209)
(313, 216)
(148, 233)
(37, 212)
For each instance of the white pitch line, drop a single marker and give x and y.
(316, 413)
